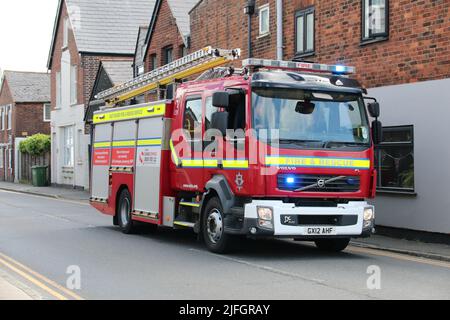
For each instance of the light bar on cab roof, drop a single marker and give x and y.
(301, 66)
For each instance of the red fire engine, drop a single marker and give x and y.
(276, 149)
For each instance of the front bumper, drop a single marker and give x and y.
(346, 220)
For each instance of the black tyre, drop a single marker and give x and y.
(215, 238)
(126, 224)
(332, 245)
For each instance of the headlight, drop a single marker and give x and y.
(265, 213)
(369, 214)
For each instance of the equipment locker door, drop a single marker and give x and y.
(148, 165)
(101, 161)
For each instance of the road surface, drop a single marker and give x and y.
(57, 249)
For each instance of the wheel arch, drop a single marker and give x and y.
(218, 186)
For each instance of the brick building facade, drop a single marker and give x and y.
(168, 34)
(416, 47)
(24, 111)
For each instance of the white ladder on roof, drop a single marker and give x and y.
(197, 62)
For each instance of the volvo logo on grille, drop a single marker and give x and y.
(321, 183)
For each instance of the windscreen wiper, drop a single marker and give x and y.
(326, 144)
(297, 141)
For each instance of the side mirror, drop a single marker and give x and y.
(219, 121)
(377, 132)
(305, 107)
(221, 99)
(374, 109)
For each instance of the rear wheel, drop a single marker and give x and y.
(124, 213)
(332, 245)
(213, 228)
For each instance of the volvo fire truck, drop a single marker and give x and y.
(275, 149)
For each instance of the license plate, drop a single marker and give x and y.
(321, 231)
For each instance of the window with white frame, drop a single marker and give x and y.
(9, 117)
(47, 112)
(264, 19)
(68, 147)
(66, 32)
(375, 19)
(73, 84)
(2, 157)
(304, 32)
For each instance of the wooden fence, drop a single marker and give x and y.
(28, 161)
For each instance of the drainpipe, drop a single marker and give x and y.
(279, 29)
(249, 11)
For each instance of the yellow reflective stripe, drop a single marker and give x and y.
(102, 145)
(192, 163)
(134, 113)
(174, 154)
(318, 162)
(190, 204)
(129, 143)
(210, 163)
(235, 163)
(149, 142)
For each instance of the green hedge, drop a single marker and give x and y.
(36, 145)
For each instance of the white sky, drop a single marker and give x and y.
(26, 28)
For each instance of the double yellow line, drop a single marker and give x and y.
(52, 288)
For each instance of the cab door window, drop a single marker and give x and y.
(192, 121)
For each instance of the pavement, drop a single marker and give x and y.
(9, 290)
(51, 192)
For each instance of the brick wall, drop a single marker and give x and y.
(418, 47)
(165, 34)
(29, 119)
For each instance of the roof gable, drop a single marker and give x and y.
(180, 11)
(105, 27)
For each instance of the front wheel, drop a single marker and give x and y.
(124, 213)
(213, 228)
(332, 245)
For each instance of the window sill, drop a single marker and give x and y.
(365, 42)
(300, 56)
(263, 35)
(396, 192)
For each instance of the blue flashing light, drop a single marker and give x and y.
(290, 180)
(340, 69)
(352, 181)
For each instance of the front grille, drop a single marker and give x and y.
(319, 220)
(292, 182)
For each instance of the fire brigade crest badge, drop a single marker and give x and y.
(239, 181)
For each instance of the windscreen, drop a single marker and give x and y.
(319, 118)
